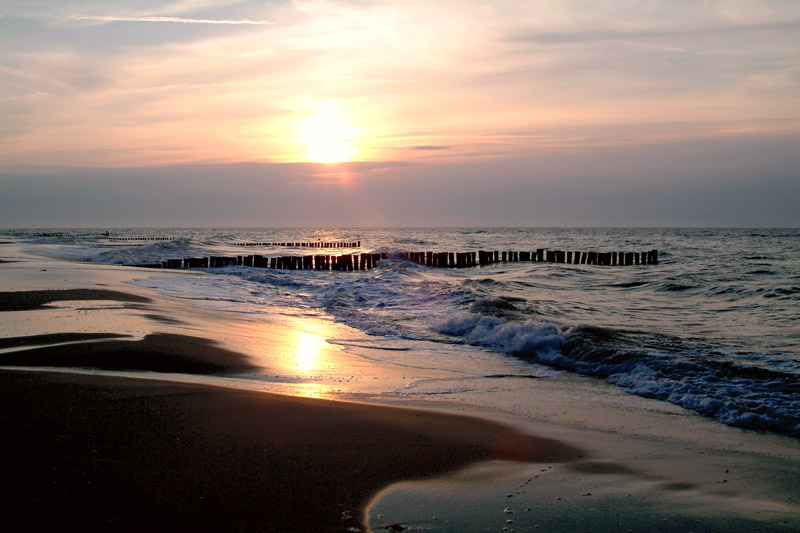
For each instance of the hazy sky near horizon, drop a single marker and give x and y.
(347, 113)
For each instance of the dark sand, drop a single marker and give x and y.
(156, 352)
(100, 452)
(137, 455)
(27, 300)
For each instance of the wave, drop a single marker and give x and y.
(734, 394)
(528, 338)
(629, 284)
(782, 292)
(648, 365)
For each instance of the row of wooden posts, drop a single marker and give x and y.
(367, 261)
(62, 235)
(138, 238)
(362, 261)
(317, 244)
(106, 236)
(483, 258)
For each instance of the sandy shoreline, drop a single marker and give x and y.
(127, 454)
(134, 454)
(140, 455)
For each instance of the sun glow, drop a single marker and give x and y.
(328, 137)
(309, 346)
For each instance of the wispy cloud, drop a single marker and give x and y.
(180, 20)
(430, 147)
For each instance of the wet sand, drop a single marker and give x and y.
(130, 454)
(101, 451)
(134, 455)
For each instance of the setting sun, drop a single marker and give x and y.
(328, 137)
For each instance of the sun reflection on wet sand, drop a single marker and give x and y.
(308, 351)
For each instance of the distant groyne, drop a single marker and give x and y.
(368, 261)
(311, 244)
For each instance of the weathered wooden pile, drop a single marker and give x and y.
(316, 244)
(367, 261)
(140, 238)
(65, 235)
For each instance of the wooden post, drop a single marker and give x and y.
(540, 255)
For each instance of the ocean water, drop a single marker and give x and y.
(714, 327)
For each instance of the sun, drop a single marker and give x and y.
(329, 139)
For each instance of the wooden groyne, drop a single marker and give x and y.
(315, 244)
(368, 261)
(63, 235)
(105, 236)
(139, 238)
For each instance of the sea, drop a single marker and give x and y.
(713, 327)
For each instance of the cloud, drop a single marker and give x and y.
(590, 36)
(430, 147)
(230, 80)
(180, 20)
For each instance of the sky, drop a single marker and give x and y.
(399, 113)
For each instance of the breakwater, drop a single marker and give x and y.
(105, 236)
(368, 261)
(311, 244)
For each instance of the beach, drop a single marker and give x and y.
(124, 409)
(102, 452)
